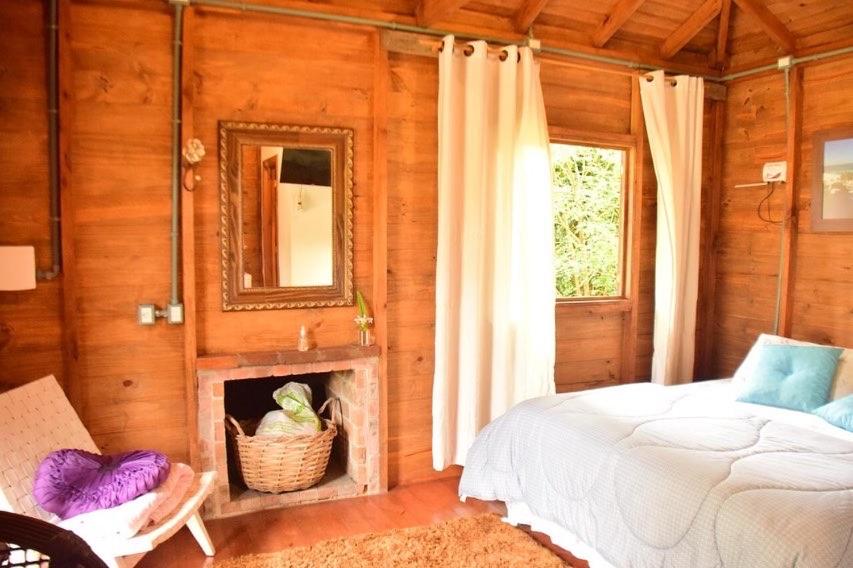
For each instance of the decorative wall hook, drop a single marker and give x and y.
(193, 153)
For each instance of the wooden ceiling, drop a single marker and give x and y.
(718, 34)
(707, 36)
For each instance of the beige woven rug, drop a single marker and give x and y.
(471, 542)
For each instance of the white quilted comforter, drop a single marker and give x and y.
(653, 476)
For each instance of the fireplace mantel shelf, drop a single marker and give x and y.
(288, 357)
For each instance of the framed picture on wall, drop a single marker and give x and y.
(832, 187)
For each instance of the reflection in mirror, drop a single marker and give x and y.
(287, 216)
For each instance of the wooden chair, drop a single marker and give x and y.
(36, 419)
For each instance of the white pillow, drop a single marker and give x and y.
(842, 384)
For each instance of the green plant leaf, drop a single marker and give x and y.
(362, 305)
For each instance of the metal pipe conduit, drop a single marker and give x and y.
(53, 143)
(783, 224)
(174, 299)
(794, 61)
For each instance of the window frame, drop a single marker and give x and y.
(628, 144)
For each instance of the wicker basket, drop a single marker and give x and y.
(275, 464)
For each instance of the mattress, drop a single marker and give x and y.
(684, 476)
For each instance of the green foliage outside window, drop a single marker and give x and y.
(587, 220)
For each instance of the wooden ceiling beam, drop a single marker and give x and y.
(619, 14)
(772, 25)
(528, 13)
(429, 12)
(692, 26)
(721, 50)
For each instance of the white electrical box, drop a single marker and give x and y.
(175, 314)
(146, 314)
(775, 172)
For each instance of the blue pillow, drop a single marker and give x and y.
(792, 376)
(838, 412)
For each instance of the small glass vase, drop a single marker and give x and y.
(365, 337)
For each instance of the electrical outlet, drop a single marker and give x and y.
(146, 314)
(175, 314)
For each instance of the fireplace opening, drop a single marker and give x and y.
(348, 375)
(250, 399)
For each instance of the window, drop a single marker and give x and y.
(589, 184)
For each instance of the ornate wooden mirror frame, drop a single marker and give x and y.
(339, 141)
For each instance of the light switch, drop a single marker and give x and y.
(175, 314)
(146, 314)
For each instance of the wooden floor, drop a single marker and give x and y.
(270, 531)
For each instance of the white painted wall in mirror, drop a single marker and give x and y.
(305, 236)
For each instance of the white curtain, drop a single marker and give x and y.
(673, 115)
(494, 321)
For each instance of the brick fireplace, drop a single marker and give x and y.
(243, 384)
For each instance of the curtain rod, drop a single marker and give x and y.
(389, 25)
(634, 72)
(469, 50)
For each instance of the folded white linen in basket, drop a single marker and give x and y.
(127, 519)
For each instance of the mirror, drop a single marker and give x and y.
(832, 194)
(286, 196)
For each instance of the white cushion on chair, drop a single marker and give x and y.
(125, 520)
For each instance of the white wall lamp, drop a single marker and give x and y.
(17, 268)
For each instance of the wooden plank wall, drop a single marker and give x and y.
(251, 67)
(30, 321)
(748, 248)
(131, 387)
(412, 238)
(823, 281)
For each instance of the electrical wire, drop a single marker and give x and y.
(771, 188)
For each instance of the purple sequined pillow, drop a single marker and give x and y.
(71, 482)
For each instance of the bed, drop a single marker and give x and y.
(642, 475)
